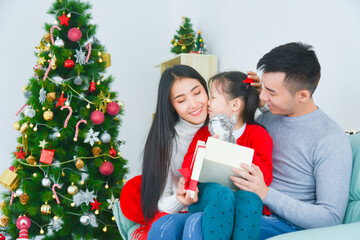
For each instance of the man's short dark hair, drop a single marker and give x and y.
(299, 63)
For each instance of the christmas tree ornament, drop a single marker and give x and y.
(80, 56)
(47, 71)
(4, 221)
(69, 63)
(92, 86)
(92, 137)
(19, 192)
(51, 33)
(42, 96)
(42, 231)
(88, 47)
(56, 224)
(96, 151)
(112, 152)
(53, 62)
(121, 104)
(29, 112)
(23, 127)
(24, 198)
(48, 115)
(106, 168)
(59, 42)
(64, 20)
(77, 128)
(47, 37)
(107, 58)
(45, 209)
(79, 164)
(84, 197)
(74, 34)
(41, 61)
(105, 229)
(43, 144)
(95, 204)
(20, 154)
(31, 160)
(85, 220)
(46, 182)
(68, 117)
(113, 108)
(105, 137)
(61, 100)
(51, 96)
(47, 156)
(54, 192)
(97, 117)
(78, 80)
(112, 201)
(21, 220)
(72, 189)
(17, 125)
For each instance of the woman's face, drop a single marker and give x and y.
(189, 99)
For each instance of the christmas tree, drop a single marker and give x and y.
(184, 40)
(67, 171)
(200, 47)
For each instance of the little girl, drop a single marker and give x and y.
(227, 214)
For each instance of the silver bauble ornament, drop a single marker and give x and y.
(29, 112)
(46, 182)
(105, 137)
(85, 220)
(72, 189)
(19, 192)
(59, 42)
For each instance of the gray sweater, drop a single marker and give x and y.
(312, 161)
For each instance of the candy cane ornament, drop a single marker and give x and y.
(68, 117)
(51, 33)
(54, 192)
(88, 47)
(47, 71)
(12, 197)
(22, 108)
(77, 128)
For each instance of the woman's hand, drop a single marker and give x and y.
(183, 196)
(252, 181)
(257, 84)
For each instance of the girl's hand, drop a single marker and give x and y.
(252, 181)
(183, 196)
(257, 84)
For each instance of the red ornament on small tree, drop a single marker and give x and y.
(106, 168)
(74, 34)
(69, 63)
(113, 108)
(47, 156)
(97, 117)
(112, 152)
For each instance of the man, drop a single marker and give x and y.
(312, 158)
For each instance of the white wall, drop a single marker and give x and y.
(137, 34)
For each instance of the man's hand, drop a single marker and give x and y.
(252, 181)
(183, 196)
(257, 84)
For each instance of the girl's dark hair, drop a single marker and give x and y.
(231, 83)
(158, 146)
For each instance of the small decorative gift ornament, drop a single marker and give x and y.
(47, 156)
(9, 179)
(45, 209)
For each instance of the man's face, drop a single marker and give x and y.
(278, 98)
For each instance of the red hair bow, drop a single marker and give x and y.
(248, 80)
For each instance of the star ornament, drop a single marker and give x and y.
(20, 154)
(61, 100)
(95, 204)
(64, 20)
(43, 144)
(80, 56)
(112, 201)
(41, 60)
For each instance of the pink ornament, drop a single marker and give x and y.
(21, 220)
(106, 168)
(74, 34)
(113, 108)
(97, 117)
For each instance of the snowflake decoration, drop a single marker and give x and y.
(84, 197)
(27, 94)
(58, 80)
(80, 56)
(112, 201)
(42, 95)
(56, 224)
(43, 144)
(92, 137)
(78, 80)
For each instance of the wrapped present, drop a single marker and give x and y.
(107, 58)
(47, 156)
(9, 180)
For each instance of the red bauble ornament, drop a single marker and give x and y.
(2, 237)
(97, 117)
(106, 168)
(112, 152)
(69, 63)
(92, 87)
(23, 219)
(74, 34)
(113, 108)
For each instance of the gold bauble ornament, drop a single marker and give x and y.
(175, 44)
(96, 151)
(48, 115)
(23, 127)
(79, 164)
(31, 160)
(183, 47)
(72, 189)
(121, 104)
(47, 37)
(4, 221)
(17, 125)
(51, 96)
(24, 199)
(45, 209)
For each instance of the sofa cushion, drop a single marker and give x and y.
(353, 209)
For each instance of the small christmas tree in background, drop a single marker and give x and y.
(200, 47)
(184, 40)
(67, 171)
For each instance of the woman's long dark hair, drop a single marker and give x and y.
(232, 84)
(158, 146)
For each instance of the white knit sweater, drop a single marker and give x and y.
(185, 133)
